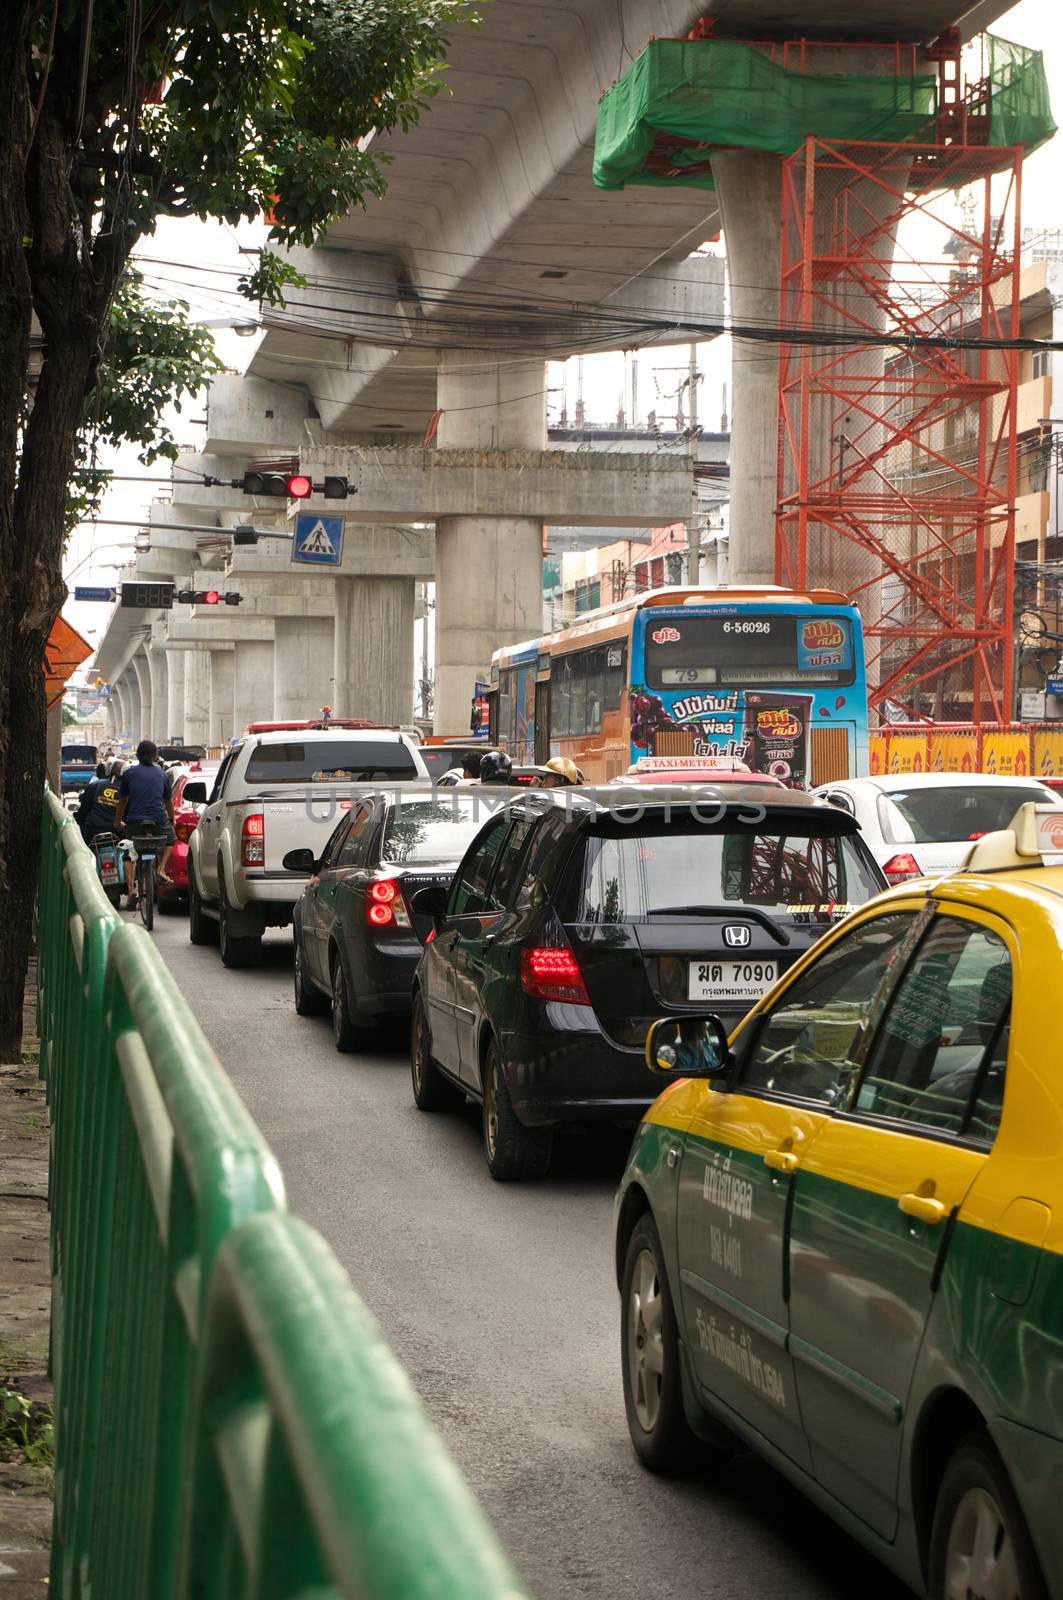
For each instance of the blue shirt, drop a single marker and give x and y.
(146, 789)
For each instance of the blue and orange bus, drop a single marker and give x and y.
(769, 677)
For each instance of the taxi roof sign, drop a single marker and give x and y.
(688, 763)
(1035, 833)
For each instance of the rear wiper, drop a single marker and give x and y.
(774, 928)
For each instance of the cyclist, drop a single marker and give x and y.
(99, 803)
(145, 797)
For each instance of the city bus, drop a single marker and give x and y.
(768, 678)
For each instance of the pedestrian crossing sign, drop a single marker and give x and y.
(318, 540)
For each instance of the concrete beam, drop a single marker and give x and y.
(411, 484)
(368, 552)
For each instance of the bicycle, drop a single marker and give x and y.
(143, 847)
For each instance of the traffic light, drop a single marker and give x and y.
(208, 597)
(293, 485)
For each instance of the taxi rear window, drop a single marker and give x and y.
(326, 760)
(630, 875)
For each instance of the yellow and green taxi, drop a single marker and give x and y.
(840, 1234)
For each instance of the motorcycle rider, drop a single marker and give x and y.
(98, 805)
(496, 768)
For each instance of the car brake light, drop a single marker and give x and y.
(899, 868)
(386, 906)
(184, 828)
(553, 975)
(253, 841)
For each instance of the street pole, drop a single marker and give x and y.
(693, 529)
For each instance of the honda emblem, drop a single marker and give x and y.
(736, 936)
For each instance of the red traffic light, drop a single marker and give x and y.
(211, 597)
(299, 486)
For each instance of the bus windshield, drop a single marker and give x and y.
(747, 648)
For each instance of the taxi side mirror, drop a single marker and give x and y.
(431, 901)
(688, 1047)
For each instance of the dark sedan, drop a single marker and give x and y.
(580, 915)
(357, 941)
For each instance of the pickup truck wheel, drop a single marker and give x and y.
(346, 1030)
(514, 1152)
(201, 928)
(309, 1001)
(235, 952)
(431, 1091)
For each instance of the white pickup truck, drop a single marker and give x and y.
(277, 792)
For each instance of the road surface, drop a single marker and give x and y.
(501, 1303)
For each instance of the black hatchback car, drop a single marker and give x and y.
(578, 916)
(357, 942)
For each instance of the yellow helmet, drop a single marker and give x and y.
(565, 768)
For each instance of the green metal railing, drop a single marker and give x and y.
(229, 1420)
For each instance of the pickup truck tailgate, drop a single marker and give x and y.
(282, 822)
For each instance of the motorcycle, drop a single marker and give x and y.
(108, 866)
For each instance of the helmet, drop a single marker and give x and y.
(565, 768)
(496, 767)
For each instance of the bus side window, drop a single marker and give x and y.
(615, 675)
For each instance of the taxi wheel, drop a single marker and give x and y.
(431, 1091)
(980, 1544)
(649, 1345)
(309, 1001)
(514, 1152)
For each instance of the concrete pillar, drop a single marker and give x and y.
(197, 696)
(488, 569)
(749, 187)
(220, 724)
(160, 694)
(373, 649)
(134, 723)
(140, 667)
(121, 708)
(302, 666)
(175, 695)
(252, 682)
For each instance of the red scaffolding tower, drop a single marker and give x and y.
(897, 427)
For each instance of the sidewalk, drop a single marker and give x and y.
(25, 1454)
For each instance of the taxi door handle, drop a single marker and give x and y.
(781, 1160)
(923, 1206)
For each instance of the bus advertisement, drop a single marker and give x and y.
(759, 678)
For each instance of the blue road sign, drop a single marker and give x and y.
(95, 594)
(1054, 685)
(318, 540)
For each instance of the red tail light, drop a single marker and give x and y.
(185, 825)
(253, 841)
(553, 975)
(387, 909)
(900, 868)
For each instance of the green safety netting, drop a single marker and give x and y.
(720, 92)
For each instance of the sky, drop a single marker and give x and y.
(95, 548)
